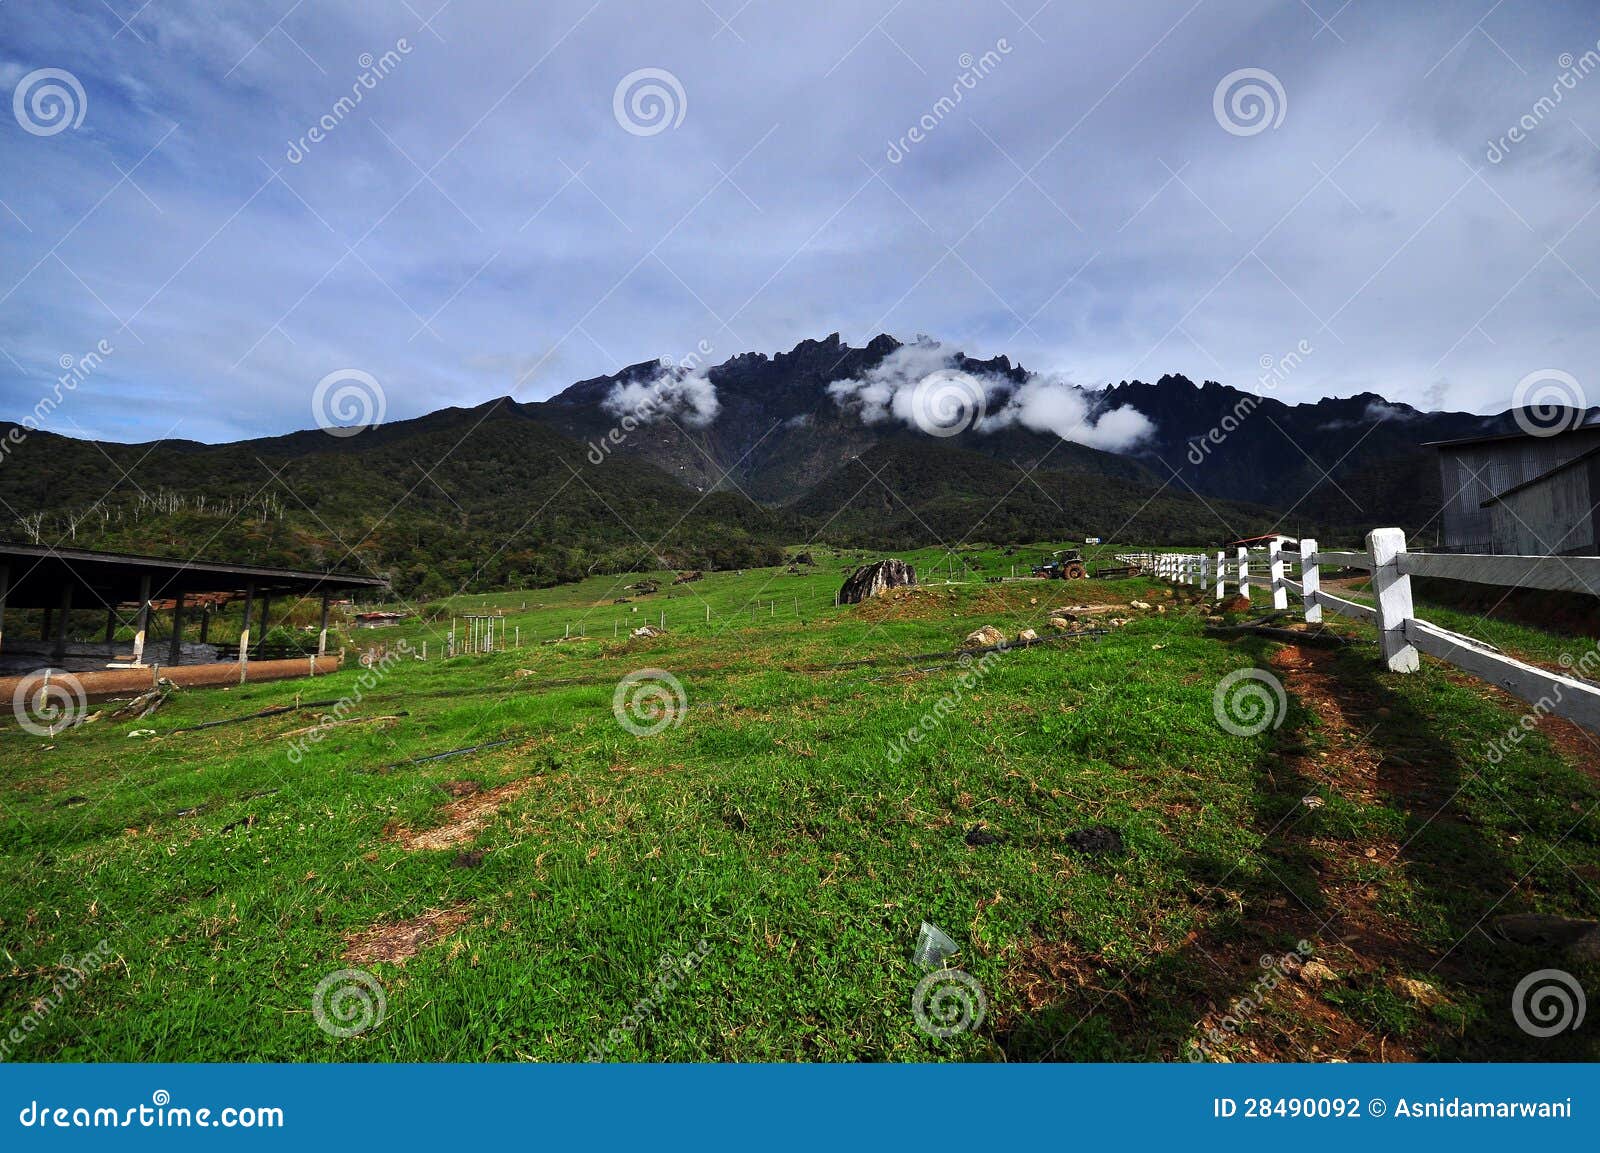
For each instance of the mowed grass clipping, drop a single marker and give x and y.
(780, 834)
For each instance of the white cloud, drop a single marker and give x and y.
(920, 385)
(1054, 406)
(673, 393)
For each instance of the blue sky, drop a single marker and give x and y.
(484, 222)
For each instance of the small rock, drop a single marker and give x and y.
(1139, 605)
(1161, 608)
(1316, 973)
(986, 637)
(1419, 991)
(1117, 622)
(1027, 635)
(1033, 600)
(645, 632)
(1060, 623)
(524, 673)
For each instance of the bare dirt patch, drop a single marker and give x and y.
(399, 941)
(464, 817)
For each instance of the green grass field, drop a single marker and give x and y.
(778, 835)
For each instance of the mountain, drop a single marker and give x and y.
(1340, 464)
(778, 432)
(884, 446)
(1344, 463)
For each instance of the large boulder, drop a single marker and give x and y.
(873, 579)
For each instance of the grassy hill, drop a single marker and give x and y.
(460, 499)
(538, 898)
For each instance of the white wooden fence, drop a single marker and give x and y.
(1401, 635)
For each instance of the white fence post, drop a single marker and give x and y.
(1222, 574)
(1310, 579)
(1205, 570)
(1244, 572)
(1385, 546)
(1280, 592)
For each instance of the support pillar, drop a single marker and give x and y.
(59, 649)
(205, 623)
(175, 652)
(143, 625)
(322, 631)
(244, 628)
(266, 605)
(111, 626)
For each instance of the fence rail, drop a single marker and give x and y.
(1401, 635)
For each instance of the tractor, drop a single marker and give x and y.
(1064, 565)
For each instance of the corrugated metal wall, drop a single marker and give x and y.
(1556, 516)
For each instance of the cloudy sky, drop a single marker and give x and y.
(193, 183)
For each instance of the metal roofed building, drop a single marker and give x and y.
(65, 581)
(1522, 494)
